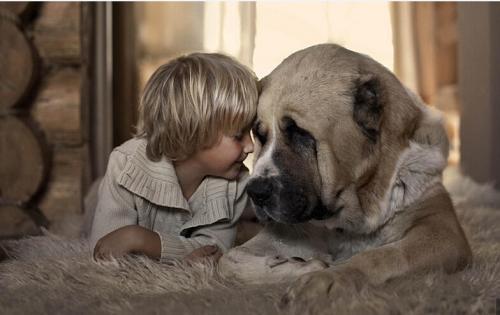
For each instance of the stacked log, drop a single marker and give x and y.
(42, 146)
(17, 64)
(24, 165)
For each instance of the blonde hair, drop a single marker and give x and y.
(188, 103)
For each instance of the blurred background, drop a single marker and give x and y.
(71, 74)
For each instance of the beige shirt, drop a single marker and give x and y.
(137, 191)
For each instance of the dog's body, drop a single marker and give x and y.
(349, 165)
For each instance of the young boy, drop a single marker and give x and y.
(177, 189)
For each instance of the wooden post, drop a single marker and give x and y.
(125, 59)
(101, 134)
(479, 82)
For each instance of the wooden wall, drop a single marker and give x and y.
(56, 108)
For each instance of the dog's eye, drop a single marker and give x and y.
(259, 133)
(297, 136)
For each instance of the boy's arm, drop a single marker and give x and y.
(129, 239)
(115, 207)
(222, 233)
(115, 224)
(163, 246)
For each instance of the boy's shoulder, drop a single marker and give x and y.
(131, 146)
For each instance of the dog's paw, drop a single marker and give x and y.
(297, 263)
(239, 262)
(320, 288)
(291, 268)
(249, 267)
(307, 290)
(273, 261)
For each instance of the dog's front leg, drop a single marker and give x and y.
(249, 267)
(429, 245)
(278, 253)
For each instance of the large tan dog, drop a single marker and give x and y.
(348, 172)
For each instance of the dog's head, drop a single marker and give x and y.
(331, 124)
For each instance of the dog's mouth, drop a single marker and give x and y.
(296, 204)
(323, 213)
(264, 214)
(320, 212)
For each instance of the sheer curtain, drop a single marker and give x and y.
(425, 46)
(229, 27)
(262, 34)
(282, 28)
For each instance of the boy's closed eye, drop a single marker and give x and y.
(239, 136)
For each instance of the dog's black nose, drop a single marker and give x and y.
(260, 190)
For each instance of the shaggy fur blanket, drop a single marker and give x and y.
(56, 275)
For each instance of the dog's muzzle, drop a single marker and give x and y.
(260, 190)
(284, 203)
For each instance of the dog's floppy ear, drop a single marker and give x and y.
(367, 110)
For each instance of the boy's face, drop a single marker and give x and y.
(225, 158)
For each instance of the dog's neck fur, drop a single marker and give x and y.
(419, 167)
(418, 170)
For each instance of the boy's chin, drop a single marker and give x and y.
(233, 173)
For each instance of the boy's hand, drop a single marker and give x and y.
(208, 251)
(127, 240)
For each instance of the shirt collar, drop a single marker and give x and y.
(154, 181)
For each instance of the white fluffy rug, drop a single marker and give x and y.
(55, 275)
